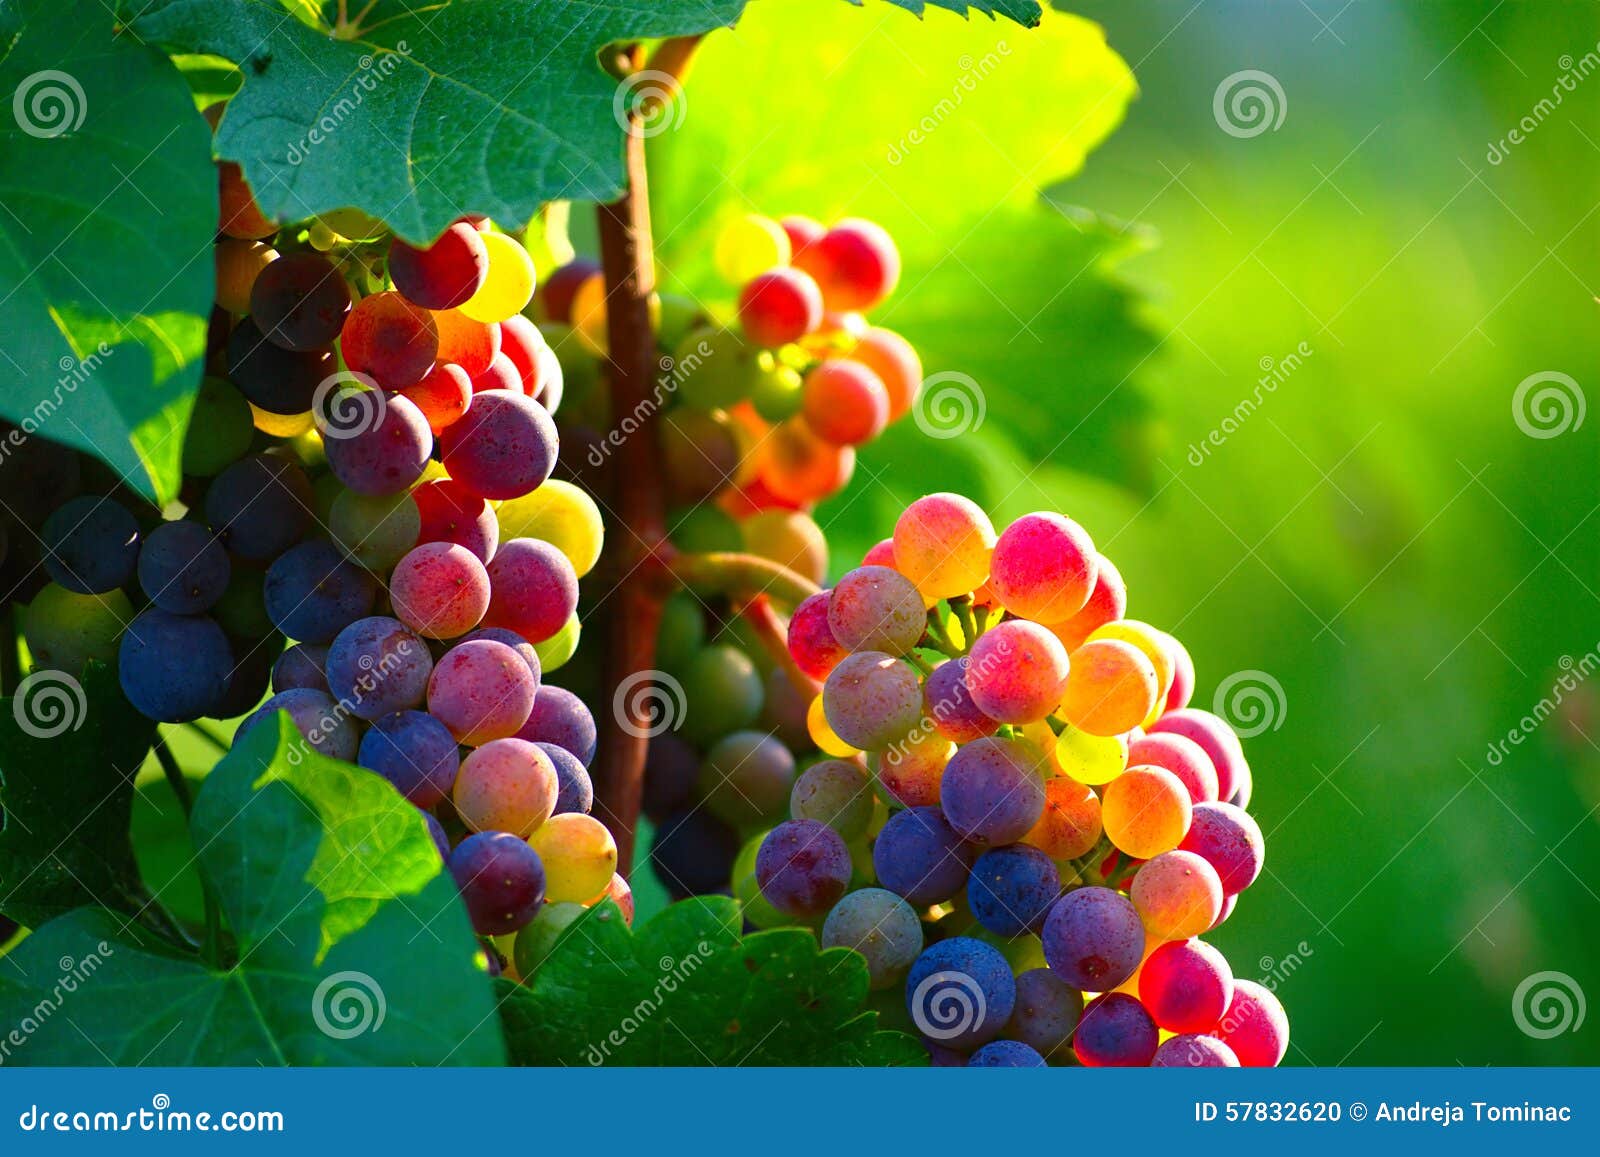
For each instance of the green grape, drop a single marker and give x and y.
(558, 648)
(723, 691)
(836, 791)
(538, 940)
(777, 390)
(715, 368)
(747, 777)
(325, 490)
(703, 528)
(679, 315)
(682, 632)
(375, 530)
(65, 629)
(220, 429)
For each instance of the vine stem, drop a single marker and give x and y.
(211, 948)
(769, 631)
(740, 576)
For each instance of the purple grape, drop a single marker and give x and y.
(174, 668)
(313, 592)
(534, 589)
(501, 880)
(960, 993)
(1116, 1031)
(260, 506)
(671, 767)
(1006, 1054)
(300, 301)
(481, 691)
(385, 456)
(249, 679)
(948, 702)
(183, 568)
(302, 665)
(803, 867)
(516, 642)
(324, 724)
(278, 380)
(1012, 889)
(918, 855)
(693, 853)
(1194, 1051)
(415, 752)
(560, 717)
(504, 447)
(437, 834)
(1227, 838)
(1046, 1013)
(1093, 939)
(993, 790)
(376, 666)
(576, 791)
(91, 545)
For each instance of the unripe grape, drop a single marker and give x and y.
(238, 264)
(1069, 826)
(508, 281)
(896, 363)
(390, 340)
(1146, 811)
(65, 629)
(872, 699)
(1110, 688)
(790, 538)
(375, 530)
(465, 343)
(799, 467)
(748, 245)
(779, 306)
(561, 514)
(845, 402)
(1108, 601)
(823, 735)
(911, 770)
(838, 793)
(879, 925)
(1091, 759)
(873, 608)
(1178, 895)
(579, 856)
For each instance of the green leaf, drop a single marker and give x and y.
(492, 106)
(108, 204)
(352, 945)
(684, 989)
(69, 752)
(1024, 12)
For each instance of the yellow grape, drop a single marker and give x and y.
(589, 314)
(942, 543)
(750, 245)
(280, 425)
(1090, 759)
(508, 285)
(1149, 640)
(1111, 687)
(823, 735)
(558, 648)
(1146, 811)
(578, 854)
(562, 515)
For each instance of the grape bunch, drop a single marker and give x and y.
(1021, 822)
(369, 539)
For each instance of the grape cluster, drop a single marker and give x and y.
(1021, 821)
(369, 539)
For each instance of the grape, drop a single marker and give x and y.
(1012, 888)
(501, 879)
(919, 856)
(699, 452)
(1182, 757)
(481, 690)
(872, 699)
(241, 611)
(386, 456)
(790, 538)
(65, 630)
(502, 375)
(1230, 900)
(375, 530)
(801, 231)
(993, 790)
(670, 769)
(1146, 811)
(469, 345)
(503, 448)
(1192, 1051)
(723, 691)
(1070, 824)
(436, 833)
(1115, 1031)
(803, 867)
(1043, 567)
(259, 507)
(1182, 689)
(777, 390)
(238, 215)
(538, 940)
(538, 368)
(220, 429)
(506, 785)
(302, 665)
(561, 514)
(390, 340)
(278, 380)
(960, 992)
(1006, 1054)
(879, 925)
(682, 631)
(835, 792)
(1228, 839)
(1218, 740)
(950, 707)
(1111, 688)
(1108, 601)
(1178, 895)
(575, 790)
(1091, 759)
(450, 513)
(845, 402)
(588, 314)
(747, 777)
(1093, 939)
(281, 425)
(560, 717)
(579, 855)
(1018, 672)
(174, 668)
(1046, 1013)
(1186, 986)
(942, 544)
(507, 284)
(440, 590)
(779, 306)
(621, 895)
(300, 301)
(799, 467)
(855, 263)
(321, 722)
(91, 545)
(313, 592)
(892, 358)
(911, 771)
(749, 245)
(442, 397)
(533, 589)
(1254, 1026)
(555, 292)
(376, 666)
(874, 608)
(446, 273)
(182, 568)
(558, 648)
(812, 643)
(693, 852)
(1151, 643)
(516, 642)
(238, 264)
(415, 752)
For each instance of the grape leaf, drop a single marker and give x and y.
(1024, 12)
(684, 989)
(351, 944)
(107, 211)
(428, 111)
(69, 752)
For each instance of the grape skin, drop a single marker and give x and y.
(1186, 986)
(1193, 1051)
(579, 855)
(390, 340)
(871, 699)
(1093, 939)
(440, 590)
(321, 722)
(386, 457)
(560, 717)
(1116, 1031)
(1006, 1054)
(874, 608)
(575, 790)
(504, 447)
(174, 668)
(1017, 672)
(943, 992)
(279, 380)
(506, 785)
(501, 880)
(879, 925)
(1229, 839)
(377, 666)
(747, 777)
(1046, 1013)
(1178, 894)
(1043, 567)
(450, 512)
(919, 856)
(1012, 889)
(444, 274)
(91, 545)
(182, 568)
(533, 589)
(302, 665)
(313, 592)
(950, 706)
(415, 752)
(1218, 740)
(812, 643)
(482, 691)
(299, 302)
(803, 867)
(993, 790)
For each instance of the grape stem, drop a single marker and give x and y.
(769, 630)
(742, 577)
(211, 947)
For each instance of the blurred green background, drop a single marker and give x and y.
(1373, 532)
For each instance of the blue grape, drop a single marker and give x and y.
(174, 668)
(960, 992)
(313, 592)
(415, 752)
(260, 506)
(560, 717)
(1093, 939)
(501, 879)
(324, 724)
(1116, 1031)
(302, 665)
(879, 925)
(1012, 888)
(91, 545)
(377, 666)
(437, 834)
(183, 568)
(1046, 1013)
(249, 679)
(575, 790)
(803, 867)
(1006, 1054)
(919, 856)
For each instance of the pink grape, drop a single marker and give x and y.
(452, 513)
(522, 344)
(504, 447)
(482, 691)
(1178, 894)
(446, 273)
(803, 867)
(1108, 602)
(896, 363)
(386, 456)
(812, 643)
(872, 699)
(873, 608)
(440, 590)
(390, 340)
(1182, 689)
(1183, 757)
(1228, 839)
(1017, 672)
(1186, 985)
(1218, 739)
(1043, 567)
(507, 785)
(1254, 1026)
(779, 306)
(1194, 1051)
(881, 553)
(443, 396)
(993, 790)
(942, 543)
(855, 263)
(802, 231)
(500, 374)
(844, 402)
(533, 589)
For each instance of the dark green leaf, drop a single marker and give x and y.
(1024, 12)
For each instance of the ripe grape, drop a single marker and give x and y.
(238, 264)
(1183, 757)
(620, 894)
(896, 363)
(302, 665)
(436, 833)
(844, 402)
(507, 284)
(574, 788)
(376, 666)
(579, 855)
(1006, 1054)
(1182, 689)
(377, 530)
(1146, 811)
(533, 589)
(538, 940)
(1186, 986)
(91, 545)
(960, 992)
(874, 608)
(386, 456)
(911, 770)
(1017, 672)
(779, 306)
(855, 263)
(1012, 888)
(879, 925)
(65, 630)
(747, 777)
(174, 668)
(803, 867)
(812, 644)
(1111, 688)
(799, 467)
(537, 366)
(320, 721)
(1254, 1026)
(442, 397)
(300, 302)
(1093, 939)
(469, 345)
(560, 717)
(555, 292)
(1108, 601)
(1043, 567)
(450, 513)
(919, 856)
(482, 690)
(1178, 895)
(1229, 839)
(516, 642)
(238, 215)
(507, 785)
(723, 691)
(278, 380)
(950, 706)
(1046, 1013)
(440, 590)
(790, 538)
(942, 543)
(748, 245)
(501, 374)
(446, 273)
(501, 879)
(220, 429)
(1070, 824)
(1194, 1051)
(415, 752)
(563, 515)
(1218, 740)
(182, 568)
(313, 592)
(993, 790)
(390, 340)
(1115, 1031)
(693, 852)
(504, 447)
(801, 231)
(836, 792)
(1153, 644)
(872, 699)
